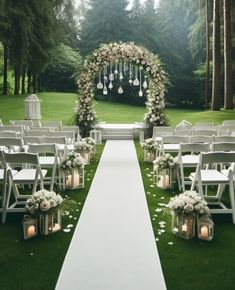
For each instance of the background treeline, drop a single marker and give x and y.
(44, 43)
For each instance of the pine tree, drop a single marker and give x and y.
(105, 21)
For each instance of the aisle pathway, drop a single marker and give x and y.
(113, 246)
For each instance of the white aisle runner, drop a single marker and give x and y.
(113, 246)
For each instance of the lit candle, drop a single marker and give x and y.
(56, 228)
(184, 228)
(31, 231)
(73, 181)
(204, 232)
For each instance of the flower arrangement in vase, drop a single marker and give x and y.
(185, 209)
(150, 147)
(164, 170)
(91, 142)
(72, 165)
(85, 149)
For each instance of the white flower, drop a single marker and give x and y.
(45, 205)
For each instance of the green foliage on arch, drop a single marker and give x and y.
(114, 53)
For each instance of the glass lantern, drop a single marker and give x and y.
(183, 225)
(205, 227)
(149, 156)
(50, 222)
(74, 179)
(30, 227)
(87, 157)
(164, 178)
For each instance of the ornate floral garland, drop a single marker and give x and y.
(136, 55)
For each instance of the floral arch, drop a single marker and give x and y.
(114, 53)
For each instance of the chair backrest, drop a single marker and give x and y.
(55, 140)
(67, 134)
(205, 132)
(15, 128)
(223, 146)
(228, 122)
(201, 139)
(162, 129)
(2, 160)
(12, 134)
(226, 129)
(217, 157)
(8, 142)
(224, 139)
(27, 123)
(203, 124)
(57, 124)
(194, 147)
(183, 132)
(75, 129)
(176, 139)
(42, 148)
(40, 133)
(32, 139)
(21, 158)
(40, 128)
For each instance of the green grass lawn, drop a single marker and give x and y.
(60, 106)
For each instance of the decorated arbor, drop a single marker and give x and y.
(112, 61)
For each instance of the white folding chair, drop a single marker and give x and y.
(49, 159)
(15, 128)
(172, 143)
(30, 173)
(188, 157)
(213, 176)
(183, 132)
(68, 134)
(11, 134)
(32, 140)
(159, 131)
(228, 123)
(41, 132)
(13, 144)
(226, 130)
(25, 123)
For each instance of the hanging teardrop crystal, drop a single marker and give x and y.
(110, 85)
(130, 81)
(136, 81)
(120, 71)
(99, 85)
(116, 69)
(111, 75)
(130, 75)
(140, 91)
(145, 84)
(120, 90)
(105, 90)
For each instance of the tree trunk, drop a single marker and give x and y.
(29, 73)
(23, 82)
(5, 59)
(216, 58)
(207, 64)
(17, 80)
(34, 83)
(228, 87)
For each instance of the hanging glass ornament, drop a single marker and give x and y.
(145, 84)
(130, 75)
(116, 69)
(120, 90)
(110, 85)
(140, 91)
(136, 81)
(105, 90)
(130, 81)
(120, 71)
(99, 85)
(111, 75)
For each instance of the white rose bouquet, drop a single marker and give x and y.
(166, 161)
(89, 141)
(149, 145)
(188, 202)
(83, 146)
(43, 201)
(72, 160)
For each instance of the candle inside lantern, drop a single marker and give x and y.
(31, 231)
(204, 232)
(56, 228)
(73, 180)
(184, 228)
(164, 181)
(86, 157)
